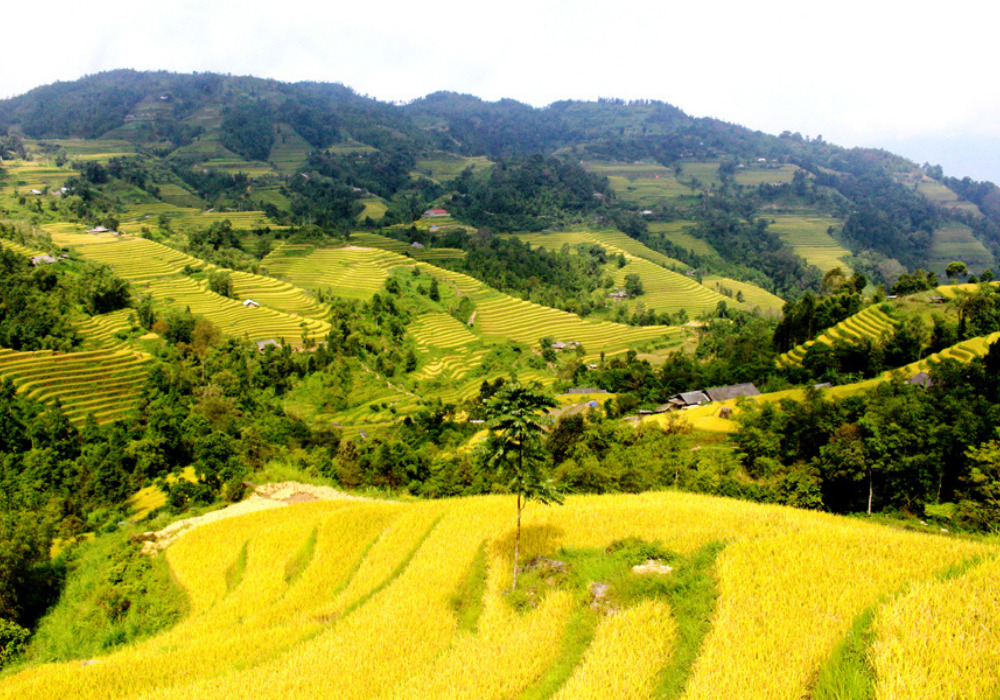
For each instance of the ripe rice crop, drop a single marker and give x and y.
(355, 600)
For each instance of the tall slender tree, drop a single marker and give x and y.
(515, 450)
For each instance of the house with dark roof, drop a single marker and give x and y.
(724, 393)
(921, 379)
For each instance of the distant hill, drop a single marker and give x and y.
(889, 213)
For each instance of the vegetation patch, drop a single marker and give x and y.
(114, 595)
(234, 573)
(610, 580)
(467, 601)
(300, 560)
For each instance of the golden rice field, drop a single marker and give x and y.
(666, 290)
(104, 382)
(24, 250)
(753, 296)
(342, 599)
(871, 323)
(808, 237)
(157, 270)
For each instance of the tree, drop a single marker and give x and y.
(956, 268)
(633, 284)
(514, 450)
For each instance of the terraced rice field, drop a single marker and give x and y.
(754, 176)
(808, 237)
(355, 272)
(22, 176)
(231, 317)
(290, 151)
(375, 209)
(447, 166)
(103, 382)
(753, 296)
(85, 149)
(373, 240)
(646, 184)
(666, 290)
(956, 242)
(102, 331)
(355, 599)
(938, 194)
(439, 330)
(612, 240)
(872, 323)
(157, 270)
(676, 232)
(278, 295)
(26, 251)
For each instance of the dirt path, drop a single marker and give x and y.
(264, 497)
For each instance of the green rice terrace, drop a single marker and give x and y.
(678, 233)
(956, 242)
(358, 272)
(809, 237)
(103, 382)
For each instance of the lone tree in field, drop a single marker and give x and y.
(515, 450)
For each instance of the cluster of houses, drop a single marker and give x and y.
(620, 295)
(560, 345)
(102, 229)
(690, 399)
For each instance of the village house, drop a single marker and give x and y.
(42, 260)
(435, 213)
(417, 245)
(263, 345)
(250, 304)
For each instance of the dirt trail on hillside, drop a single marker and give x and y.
(264, 497)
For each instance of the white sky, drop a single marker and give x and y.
(877, 73)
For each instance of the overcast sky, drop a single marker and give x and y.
(874, 73)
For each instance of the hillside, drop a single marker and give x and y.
(211, 282)
(314, 580)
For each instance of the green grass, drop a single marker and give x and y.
(113, 596)
(467, 600)
(690, 589)
(300, 560)
(234, 572)
(847, 673)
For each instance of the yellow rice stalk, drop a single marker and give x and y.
(785, 601)
(940, 639)
(627, 653)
